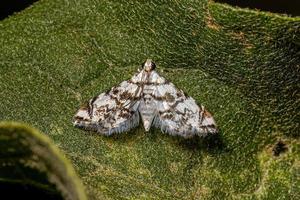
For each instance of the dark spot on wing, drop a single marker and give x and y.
(78, 118)
(126, 95)
(106, 115)
(115, 91)
(176, 103)
(179, 94)
(116, 100)
(158, 98)
(102, 109)
(169, 98)
(125, 113)
(208, 126)
(167, 116)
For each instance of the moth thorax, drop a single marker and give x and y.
(149, 65)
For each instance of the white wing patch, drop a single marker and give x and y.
(149, 96)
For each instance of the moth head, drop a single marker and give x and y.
(149, 65)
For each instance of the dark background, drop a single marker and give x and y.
(290, 7)
(8, 7)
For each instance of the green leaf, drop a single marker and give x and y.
(243, 65)
(32, 166)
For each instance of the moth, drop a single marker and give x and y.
(151, 98)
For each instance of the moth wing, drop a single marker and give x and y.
(115, 111)
(178, 114)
